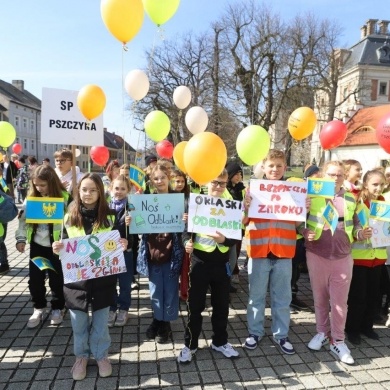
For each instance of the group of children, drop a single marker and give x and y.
(271, 244)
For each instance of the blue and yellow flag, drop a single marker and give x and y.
(380, 210)
(331, 216)
(42, 263)
(324, 188)
(137, 176)
(362, 214)
(44, 210)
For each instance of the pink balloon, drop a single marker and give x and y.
(164, 149)
(383, 133)
(333, 134)
(100, 155)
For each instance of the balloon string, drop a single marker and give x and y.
(175, 136)
(151, 57)
(123, 103)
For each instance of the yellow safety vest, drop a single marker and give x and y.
(316, 222)
(74, 231)
(205, 243)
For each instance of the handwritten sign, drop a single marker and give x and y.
(324, 188)
(157, 213)
(92, 256)
(276, 199)
(209, 214)
(380, 233)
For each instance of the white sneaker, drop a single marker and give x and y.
(226, 349)
(388, 321)
(343, 353)
(56, 317)
(185, 355)
(121, 318)
(318, 341)
(111, 318)
(35, 319)
(235, 279)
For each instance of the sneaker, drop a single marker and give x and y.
(388, 321)
(226, 349)
(79, 369)
(235, 279)
(299, 305)
(4, 269)
(121, 318)
(111, 318)
(152, 330)
(56, 317)
(105, 367)
(164, 331)
(285, 346)
(134, 285)
(185, 355)
(318, 341)
(341, 350)
(251, 341)
(35, 319)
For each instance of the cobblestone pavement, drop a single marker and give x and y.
(41, 358)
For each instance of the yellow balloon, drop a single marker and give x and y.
(7, 134)
(178, 155)
(302, 123)
(205, 157)
(160, 11)
(123, 18)
(91, 101)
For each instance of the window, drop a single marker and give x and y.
(17, 121)
(24, 123)
(32, 125)
(25, 144)
(45, 147)
(32, 144)
(383, 88)
(17, 140)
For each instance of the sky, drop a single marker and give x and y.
(65, 45)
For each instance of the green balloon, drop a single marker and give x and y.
(253, 144)
(7, 134)
(160, 11)
(157, 125)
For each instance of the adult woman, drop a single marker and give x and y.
(112, 172)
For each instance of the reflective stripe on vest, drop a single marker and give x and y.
(74, 231)
(316, 222)
(205, 243)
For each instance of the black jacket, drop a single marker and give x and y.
(12, 171)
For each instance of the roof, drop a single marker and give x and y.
(114, 141)
(366, 52)
(16, 95)
(361, 128)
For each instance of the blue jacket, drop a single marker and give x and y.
(176, 260)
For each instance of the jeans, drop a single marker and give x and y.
(164, 292)
(90, 338)
(278, 274)
(123, 299)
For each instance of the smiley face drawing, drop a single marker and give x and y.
(110, 245)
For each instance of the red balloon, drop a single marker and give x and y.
(164, 149)
(333, 134)
(16, 148)
(100, 155)
(383, 133)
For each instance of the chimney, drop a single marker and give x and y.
(383, 27)
(363, 32)
(19, 84)
(371, 26)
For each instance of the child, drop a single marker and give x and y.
(180, 183)
(45, 183)
(89, 213)
(366, 275)
(330, 263)
(353, 174)
(209, 268)
(271, 245)
(120, 188)
(22, 179)
(160, 258)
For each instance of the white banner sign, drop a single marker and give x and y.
(209, 214)
(276, 199)
(92, 256)
(380, 232)
(63, 123)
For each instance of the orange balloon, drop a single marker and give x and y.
(205, 157)
(302, 123)
(91, 101)
(178, 155)
(123, 18)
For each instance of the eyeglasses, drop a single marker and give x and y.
(62, 161)
(335, 175)
(221, 184)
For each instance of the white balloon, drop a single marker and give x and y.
(77, 152)
(257, 171)
(137, 84)
(196, 120)
(182, 97)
